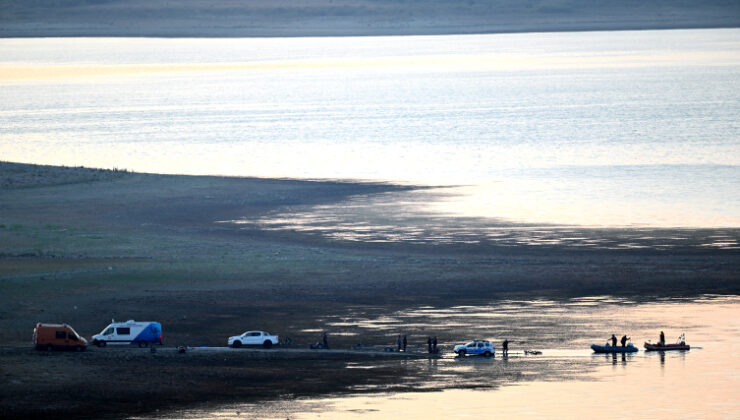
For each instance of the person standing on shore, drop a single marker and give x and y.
(404, 343)
(505, 346)
(429, 344)
(398, 341)
(434, 345)
(326, 341)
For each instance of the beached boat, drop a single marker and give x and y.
(629, 348)
(666, 347)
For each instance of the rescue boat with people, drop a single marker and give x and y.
(678, 345)
(629, 348)
(666, 347)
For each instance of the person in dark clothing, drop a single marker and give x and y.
(398, 341)
(434, 345)
(326, 341)
(624, 340)
(614, 340)
(505, 346)
(662, 339)
(429, 343)
(404, 343)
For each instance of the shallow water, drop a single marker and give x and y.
(566, 381)
(633, 128)
(428, 217)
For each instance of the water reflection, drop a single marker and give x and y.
(438, 216)
(567, 380)
(618, 359)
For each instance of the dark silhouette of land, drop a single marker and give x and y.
(271, 18)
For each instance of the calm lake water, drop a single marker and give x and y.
(636, 128)
(566, 381)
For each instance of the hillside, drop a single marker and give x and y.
(229, 18)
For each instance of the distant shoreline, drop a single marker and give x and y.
(87, 33)
(324, 18)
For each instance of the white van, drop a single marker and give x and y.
(130, 332)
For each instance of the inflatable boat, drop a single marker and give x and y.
(629, 348)
(666, 347)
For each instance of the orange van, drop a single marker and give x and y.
(57, 336)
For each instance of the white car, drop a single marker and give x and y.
(482, 347)
(253, 338)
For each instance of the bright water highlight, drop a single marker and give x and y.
(600, 129)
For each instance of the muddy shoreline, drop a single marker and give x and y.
(115, 383)
(84, 246)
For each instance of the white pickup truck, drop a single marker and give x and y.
(253, 338)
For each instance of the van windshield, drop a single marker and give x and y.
(107, 331)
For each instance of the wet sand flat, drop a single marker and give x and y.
(83, 246)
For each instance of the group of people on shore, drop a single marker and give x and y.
(432, 344)
(403, 343)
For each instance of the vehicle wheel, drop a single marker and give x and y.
(461, 353)
(267, 344)
(101, 343)
(49, 347)
(487, 354)
(237, 344)
(78, 348)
